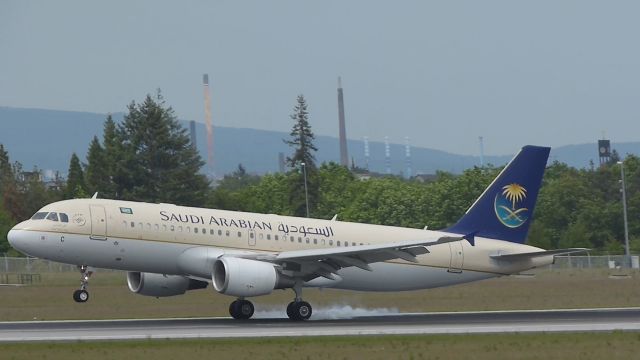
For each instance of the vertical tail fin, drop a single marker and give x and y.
(504, 209)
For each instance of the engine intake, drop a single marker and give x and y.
(244, 277)
(159, 285)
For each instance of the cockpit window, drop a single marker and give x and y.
(64, 217)
(52, 216)
(39, 216)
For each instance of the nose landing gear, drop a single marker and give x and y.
(82, 295)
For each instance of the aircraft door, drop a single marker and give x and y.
(98, 222)
(457, 257)
(252, 237)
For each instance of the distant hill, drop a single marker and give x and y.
(46, 139)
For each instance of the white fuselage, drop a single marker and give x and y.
(176, 240)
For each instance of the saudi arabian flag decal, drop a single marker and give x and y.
(508, 205)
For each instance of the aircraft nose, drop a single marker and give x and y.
(16, 238)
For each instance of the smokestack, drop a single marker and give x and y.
(207, 122)
(281, 162)
(366, 152)
(407, 153)
(192, 132)
(344, 157)
(387, 155)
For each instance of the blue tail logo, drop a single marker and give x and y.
(505, 209)
(506, 205)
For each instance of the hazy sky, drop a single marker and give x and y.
(516, 72)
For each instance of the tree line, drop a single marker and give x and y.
(148, 157)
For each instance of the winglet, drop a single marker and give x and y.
(95, 196)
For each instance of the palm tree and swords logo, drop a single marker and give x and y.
(506, 205)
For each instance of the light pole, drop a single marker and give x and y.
(624, 211)
(306, 193)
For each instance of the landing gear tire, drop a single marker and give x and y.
(81, 296)
(241, 309)
(299, 310)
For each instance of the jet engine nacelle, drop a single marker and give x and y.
(159, 285)
(243, 277)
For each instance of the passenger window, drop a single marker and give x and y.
(346, 243)
(338, 243)
(195, 230)
(353, 244)
(220, 232)
(157, 227)
(251, 235)
(323, 242)
(331, 242)
(268, 236)
(180, 228)
(228, 233)
(64, 217)
(239, 234)
(307, 240)
(275, 237)
(39, 216)
(133, 224)
(315, 241)
(172, 228)
(211, 231)
(52, 216)
(299, 239)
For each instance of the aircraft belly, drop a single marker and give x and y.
(121, 254)
(400, 277)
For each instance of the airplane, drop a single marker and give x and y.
(168, 249)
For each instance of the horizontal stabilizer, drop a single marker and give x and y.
(530, 255)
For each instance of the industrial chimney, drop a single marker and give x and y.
(344, 156)
(207, 122)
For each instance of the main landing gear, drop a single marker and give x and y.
(82, 295)
(299, 310)
(241, 309)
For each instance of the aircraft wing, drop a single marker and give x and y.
(325, 262)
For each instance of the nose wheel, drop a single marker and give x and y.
(241, 309)
(82, 295)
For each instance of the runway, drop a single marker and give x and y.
(623, 319)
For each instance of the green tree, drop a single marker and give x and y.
(96, 176)
(12, 198)
(301, 137)
(112, 157)
(6, 223)
(75, 179)
(302, 162)
(156, 162)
